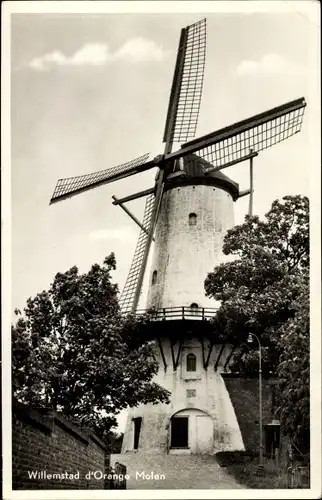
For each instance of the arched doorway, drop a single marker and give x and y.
(191, 432)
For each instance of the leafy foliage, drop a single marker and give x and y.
(265, 291)
(284, 234)
(294, 373)
(74, 352)
(114, 442)
(257, 290)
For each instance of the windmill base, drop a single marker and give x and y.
(200, 418)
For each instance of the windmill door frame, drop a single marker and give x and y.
(179, 432)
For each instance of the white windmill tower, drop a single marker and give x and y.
(187, 213)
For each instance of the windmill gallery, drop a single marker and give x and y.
(187, 213)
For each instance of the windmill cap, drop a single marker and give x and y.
(192, 171)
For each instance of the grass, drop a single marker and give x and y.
(244, 467)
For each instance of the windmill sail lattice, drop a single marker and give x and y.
(74, 185)
(129, 290)
(222, 148)
(260, 132)
(186, 91)
(181, 125)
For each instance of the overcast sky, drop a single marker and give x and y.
(91, 91)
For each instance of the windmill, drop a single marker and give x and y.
(187, 213)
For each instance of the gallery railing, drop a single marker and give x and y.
(176, 313)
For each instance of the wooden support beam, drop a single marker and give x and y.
(229, 357)
(134, 196)
(162, 354)
(126, 210)
(251, 176)
(175, 359)
(178, 354)
(243, 193)
(209, 354)
(203, 352)
(206, 360)
(223, 345)
(172, 355)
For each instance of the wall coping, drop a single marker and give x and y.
(33, 416)
(46, 417)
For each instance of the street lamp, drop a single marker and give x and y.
(250, 340)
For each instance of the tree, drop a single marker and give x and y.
(74, 352)
(114, 442)
(265, 291)
(257, 290)
(284, 234)
(294, 373)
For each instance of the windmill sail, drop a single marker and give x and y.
(180, 125)
(129, 291)
(73, 185)
(260, 132)
(185, 97)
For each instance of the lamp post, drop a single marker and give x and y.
(250, 340)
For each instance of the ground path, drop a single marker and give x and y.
(180, 471)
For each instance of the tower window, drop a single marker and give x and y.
(154, 277)
(191, 363)
(194, 309)
(192, 219)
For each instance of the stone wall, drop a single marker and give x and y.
(186, 249)
(45, 443)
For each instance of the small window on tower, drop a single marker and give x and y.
(192, 219)
(154, 277)
(194, 309)
(191, 363)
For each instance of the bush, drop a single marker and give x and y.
(244, 467)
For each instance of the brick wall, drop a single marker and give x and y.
(244, 396)
(46, 443)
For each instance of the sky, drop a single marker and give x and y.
(90, 91)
